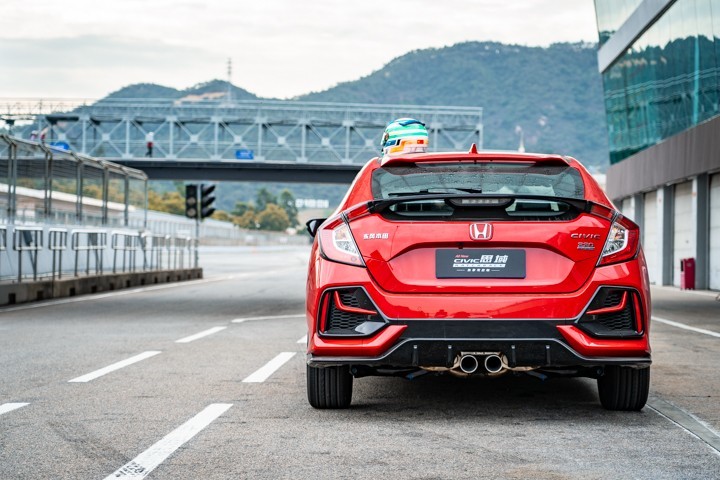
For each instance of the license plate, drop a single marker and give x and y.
(479, 263)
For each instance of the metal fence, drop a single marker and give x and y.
(41, 252)
(41, 183)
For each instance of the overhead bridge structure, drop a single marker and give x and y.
(248, 140)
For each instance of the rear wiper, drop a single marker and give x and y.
(436, 190)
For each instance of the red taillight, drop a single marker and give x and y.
(602, 211)
(337, 243)
(357, 211)
(622, 242)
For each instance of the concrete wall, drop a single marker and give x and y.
(14, 293)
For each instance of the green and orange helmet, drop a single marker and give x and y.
(404, 135)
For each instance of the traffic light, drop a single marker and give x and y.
(206, 200)
(191, 199)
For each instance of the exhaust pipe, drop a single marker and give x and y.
(493, 364)
(469, 364)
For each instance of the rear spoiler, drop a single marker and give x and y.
(475, 157)
(377, 206)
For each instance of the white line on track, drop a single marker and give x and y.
(303, 339)
(269, 368)
(271, 317)
(147, 461)
(202, 334)
(115, 366)
(686, 327)
(9, 407)
(687, 421)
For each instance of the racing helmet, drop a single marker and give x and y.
(404, 135)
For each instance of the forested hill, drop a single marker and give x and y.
(203, 91)
(554, 94)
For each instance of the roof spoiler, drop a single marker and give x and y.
(475, 155)
(376, 206)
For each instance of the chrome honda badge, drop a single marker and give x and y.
(481, 231)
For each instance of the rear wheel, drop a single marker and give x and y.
(624, 388)
(329, 387)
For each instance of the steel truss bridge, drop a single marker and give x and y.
(239, 140)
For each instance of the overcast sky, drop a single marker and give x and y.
(279, 48)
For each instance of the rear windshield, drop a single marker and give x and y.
(477, 178)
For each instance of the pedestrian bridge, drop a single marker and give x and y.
(321, 141)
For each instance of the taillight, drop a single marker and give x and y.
(337, 243)
(622, 242)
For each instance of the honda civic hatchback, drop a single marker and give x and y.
(477, 264)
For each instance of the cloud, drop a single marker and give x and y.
(94, 65)
(279, 47)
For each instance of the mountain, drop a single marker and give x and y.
(207, 90)
(553, 94)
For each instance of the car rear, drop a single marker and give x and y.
(478, 264)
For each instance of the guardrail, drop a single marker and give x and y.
(87, 240)
(28, 239)
(57, 243)
(92, 252)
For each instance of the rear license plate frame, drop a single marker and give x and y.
(480, 263)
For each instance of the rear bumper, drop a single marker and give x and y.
(438, 343)
(539, 330)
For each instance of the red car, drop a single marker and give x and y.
(477, 264)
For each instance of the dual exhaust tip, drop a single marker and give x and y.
(470, 363)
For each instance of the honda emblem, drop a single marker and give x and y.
(481, 231)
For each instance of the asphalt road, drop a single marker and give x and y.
(99, 386)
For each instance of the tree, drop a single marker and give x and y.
(222, 215)
(246, 220)
(263, 198)
(174, 203)
(169, 202)
(241, 208)
(287, 203)
(273, 218)
(154, 201)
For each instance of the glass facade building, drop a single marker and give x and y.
(611, 14)
(667, 81)
(659, 61)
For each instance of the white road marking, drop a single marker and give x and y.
(113, 367)
(202, 334)
(686, 327)
(147, 461)
(303, 339)
(269, 368)
(9, 407)
(687, 421)
(271, 317)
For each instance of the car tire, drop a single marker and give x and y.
(624, 388)
(329, 387)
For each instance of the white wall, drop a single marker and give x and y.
(715, 232)
(651, 240)
(683, 227)
(628, 208)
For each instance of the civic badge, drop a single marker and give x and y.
(481, 231)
